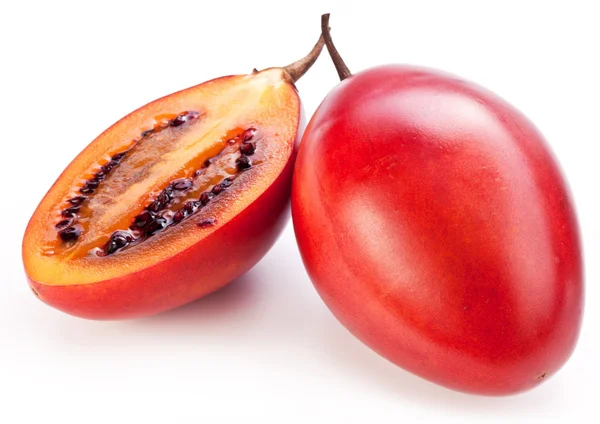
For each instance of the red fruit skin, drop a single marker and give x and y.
(224, 255)
(436, 225)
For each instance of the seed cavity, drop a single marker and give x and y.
(152, 220)
(92, 184)
(181, 199)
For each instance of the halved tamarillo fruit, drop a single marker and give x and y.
(437, 226)
(173, 201)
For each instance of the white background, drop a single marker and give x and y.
(265, 349)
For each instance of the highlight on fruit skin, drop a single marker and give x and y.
(436, 225)
(173, 201)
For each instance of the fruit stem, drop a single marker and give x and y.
(340, 66)
(298, 68)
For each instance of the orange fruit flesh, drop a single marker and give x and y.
(220, 111)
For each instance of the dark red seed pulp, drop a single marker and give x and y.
(159, 214)
(247, 149)
(72, 233)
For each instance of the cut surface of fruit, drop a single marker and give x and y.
(146, 188)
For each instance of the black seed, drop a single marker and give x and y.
(208, 162)
(63, 224)
(99, 176)
(93, 183)
(118, 240)
(197, 173)
(247, 148)
(165, 196)
(205, 198)
(70, 212)
(243, 163)
(153, 227)
(178, 121)
(156, 206)
(147, 133)
(69, 233)
(86, 190)
(122, 235)
(143, 219)
(77, 200)
(158, 224)
(226, 182)
(111, 247)
(178, 217)
(110, 165)
(181, 184)
(207, 222)
(248, 134)
(117, 157)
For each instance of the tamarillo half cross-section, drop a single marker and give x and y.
(173, 201)
(437, 226)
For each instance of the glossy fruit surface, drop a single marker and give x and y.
(173, 201)
(436, 225)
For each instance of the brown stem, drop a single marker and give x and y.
(340, 66)
(299, 67)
